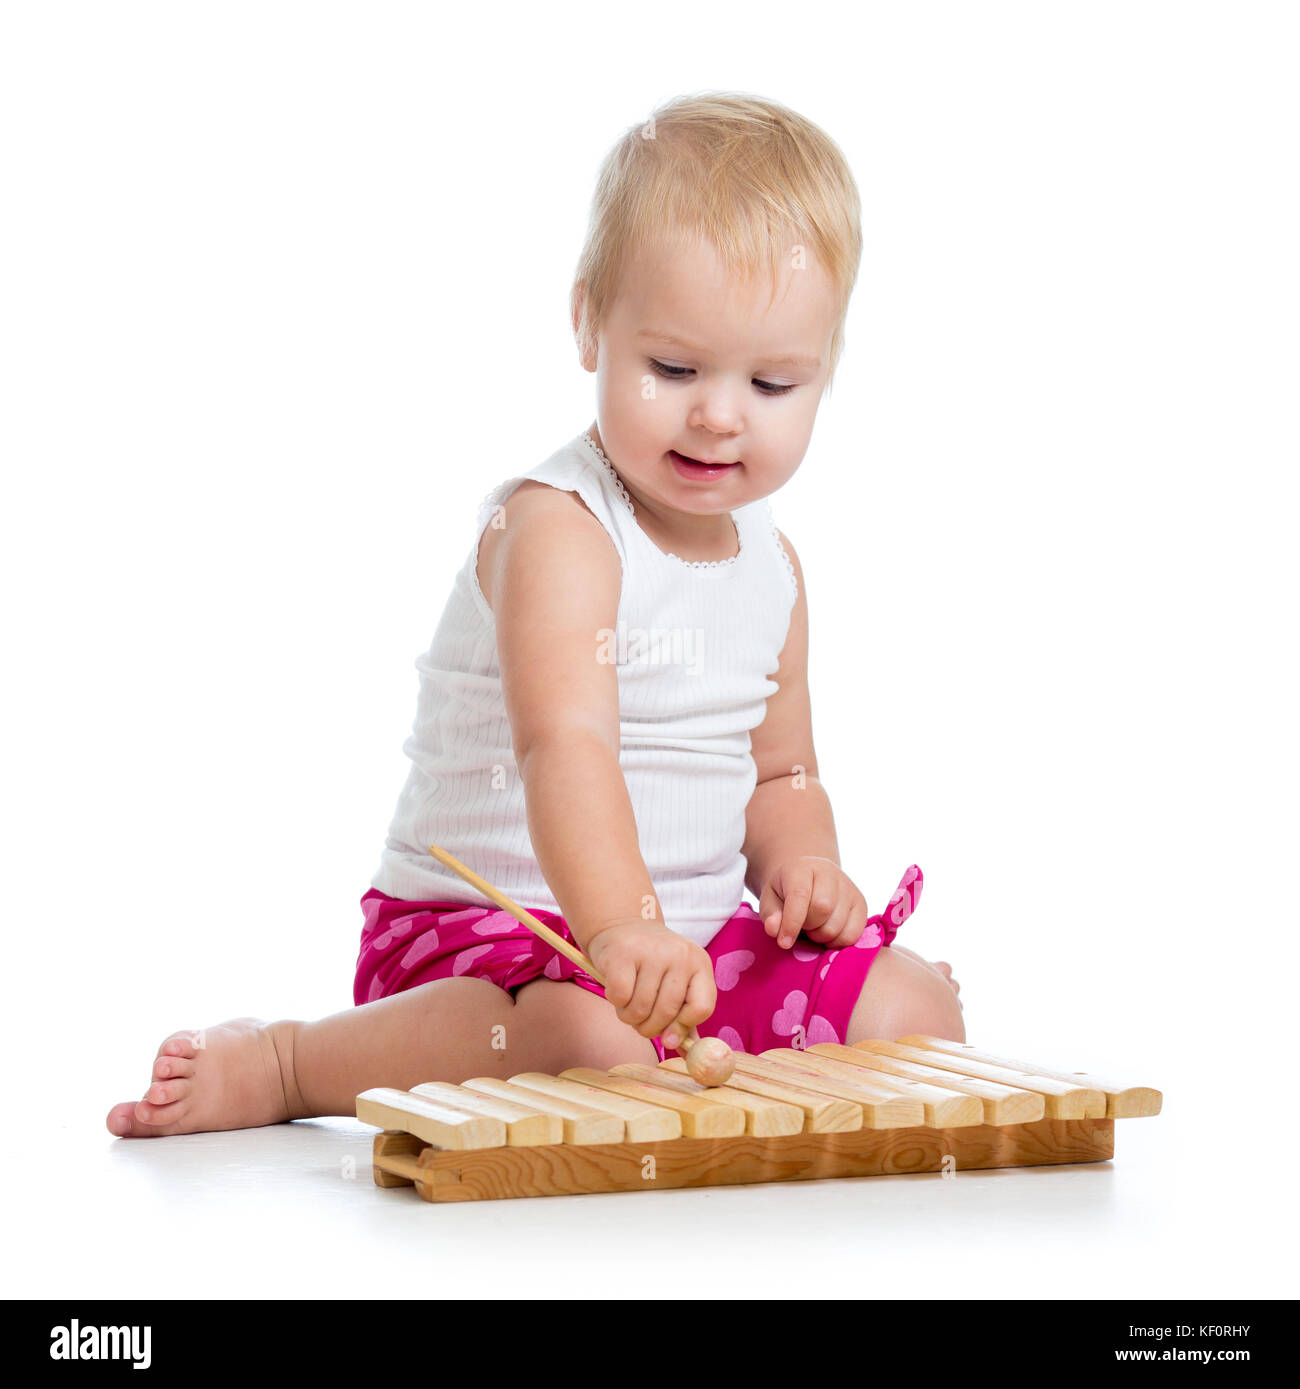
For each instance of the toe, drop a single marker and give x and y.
(165, 1092)
(119, 1119)
(156, 1119)
(124, 1122)
(181, 1044)
(172, 1067)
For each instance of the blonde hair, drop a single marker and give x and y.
(748, 175)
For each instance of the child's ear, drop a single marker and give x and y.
(586, 347)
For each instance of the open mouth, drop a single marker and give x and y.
(699, 467)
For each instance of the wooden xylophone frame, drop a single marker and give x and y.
(921, 1104)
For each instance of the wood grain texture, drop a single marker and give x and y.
(764, 1117)
(581, 1124)
(1123, 1100)
(642, 1123)
(913, 1102)
(1062, 1099)
(1002, 1104)
(700, 1116)
(921, 1104)
(822, 1113)
(431, 1120)
(569, 1170)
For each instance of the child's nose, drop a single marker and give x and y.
(716, 414)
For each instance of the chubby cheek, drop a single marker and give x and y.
(775, 442)
(641, 420)
(764, 473)
(785, 442)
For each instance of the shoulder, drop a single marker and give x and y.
(792, 556)
(790, 559)
(536, 498)
(543, 525)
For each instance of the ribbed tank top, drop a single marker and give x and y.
(696, 643)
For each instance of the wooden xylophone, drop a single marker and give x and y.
(920, 1104)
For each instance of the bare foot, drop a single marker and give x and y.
(237, 1075)
(945, 969)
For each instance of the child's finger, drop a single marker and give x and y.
(797, 892)
(852, 929)
(639, 1007)
(769, 910)
(620, 980)
(701, 1000)
(845, 923)
(668, 1003)
(832, 896)
(834, 925)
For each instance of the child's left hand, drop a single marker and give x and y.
(815, 896)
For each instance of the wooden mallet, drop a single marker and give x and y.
(709, 1060)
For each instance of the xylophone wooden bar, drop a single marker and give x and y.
(914, 1105)
(762, 1116)
(1122, 1101)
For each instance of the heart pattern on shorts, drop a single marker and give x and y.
(728, 968)
(819, 1030)
(396, 929)
(464, 916)
(421, 949)
(467, 957)
(495, 924)
(428, 941)
(790, 1014)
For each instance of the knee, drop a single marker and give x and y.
(902, 995)
(570, 1027)
(604, 1053)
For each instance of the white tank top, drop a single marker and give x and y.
(695, 644)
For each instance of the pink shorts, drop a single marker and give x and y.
(767, 997)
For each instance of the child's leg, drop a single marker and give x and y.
(437, 1031)
(459, 1028)
(904, 994)
(246, 1073)
(942, 966)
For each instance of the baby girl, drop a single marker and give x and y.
(613, 725)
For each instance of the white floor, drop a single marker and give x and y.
(293, 1211)
(1047, 522)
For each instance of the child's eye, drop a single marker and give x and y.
(671, 373)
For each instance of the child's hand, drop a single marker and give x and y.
(654, 977)
(816, 896)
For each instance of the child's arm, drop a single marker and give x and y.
(790, 846)
(552, 578)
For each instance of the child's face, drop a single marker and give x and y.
(725, 405)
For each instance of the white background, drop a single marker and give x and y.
(283, 293)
